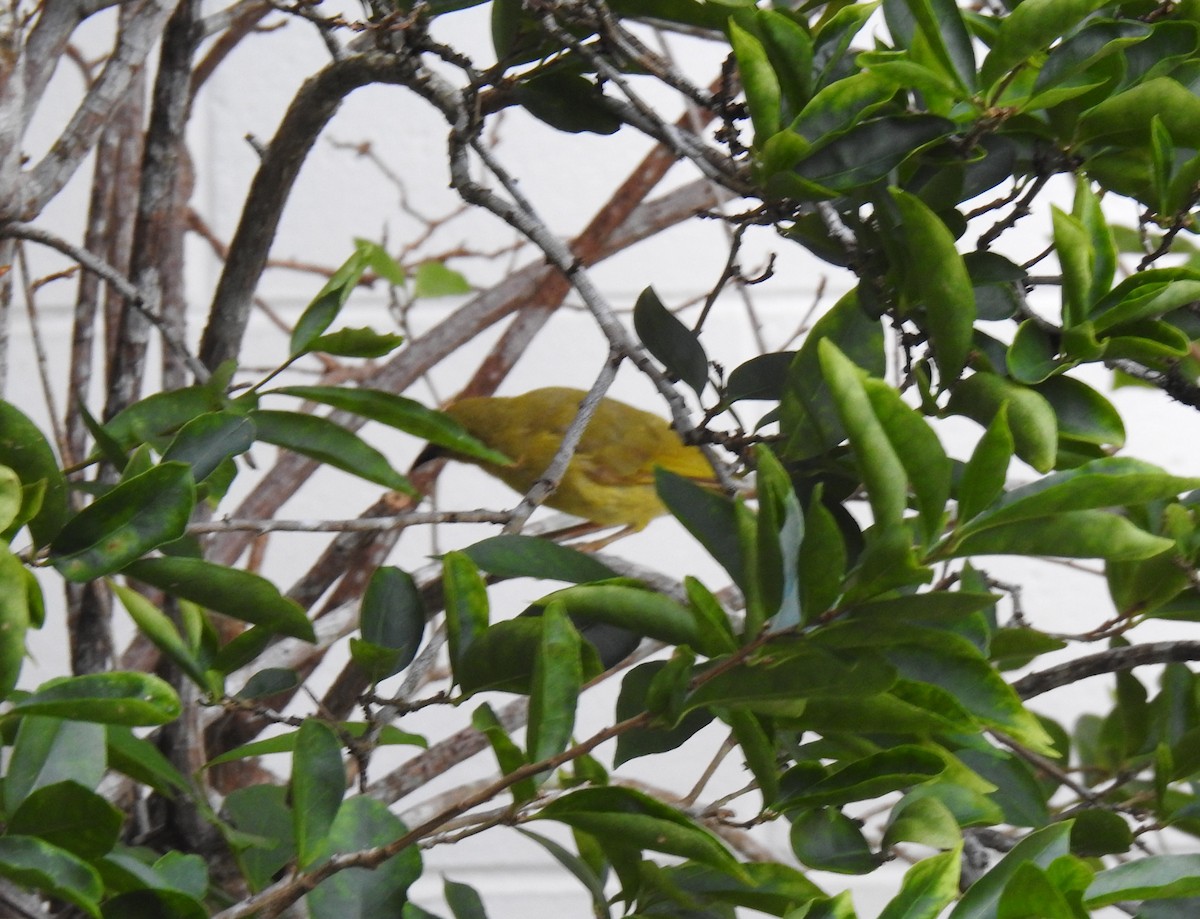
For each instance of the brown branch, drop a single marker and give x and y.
(1110, 661)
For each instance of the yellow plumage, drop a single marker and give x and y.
(611, 477)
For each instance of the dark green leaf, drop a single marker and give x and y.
(15, 614)
(708, 516)
(557, 680)
(208, 440)
(1030, 417)
(158, 627)
(25, 450)
(466, 607)
(401, 413)
(359, 893)
(1096, 832)
(231, 591)
(70, 816)
(324, 308)
(877, 774)
(759, 82)
(828, 840)
(269, 682)
(330, 443)
(318, 783)
(1039, 848)
(51, 750)
(1151, 878)
(669, 340)
(761, 377)
(134, 699)
(509, 756)
(513, 556)
(569, 102)
(644, 741)
(1031, 28)
(868, 152)
(138, 515)
(393, 616)
(34, 863)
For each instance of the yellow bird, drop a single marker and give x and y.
(610, 479)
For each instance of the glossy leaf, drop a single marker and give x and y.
(669, 340)
(514, 556)
(134, 699)
(286, 742)
(947, 294)
(401, 413)
(869, 152)
(929, 887)
(1083, 414)
(709, 517)
(324, 308)
(557, 680)
(807, 411)
(70, 816)
(1039, 848)
(759, 82)
(15, 614)
(879, 464)
(208, 440)
(645, 612)
(941, 25)
(321, 439)
(1151, 878)
(761, 377)
(466, 606)
(318, 783)
(626, 818)
(880, 773)
(231, 591)
(925, 820)
(51, 750)
(392, 617)
(649, 740)
(138, 515)
(25, 450)
(143, 762)
(1030, 417)
(1025, 33)
(983, 477)
(161, 631)
(1128, 116)
(35, 863)
(828, 840)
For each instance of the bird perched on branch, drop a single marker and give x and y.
(610, 479)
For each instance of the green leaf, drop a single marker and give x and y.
(15, 614)
(330, 443)
(359, 893)
(881, 468)
(669, 340)
(761, 377)
(1102, 483)
(941, 26)
(869, 152)
(710, 517)
(366, 343)
(158, 902)
(1097, 832)
(134, 699)
(48, 751)
(827, 840)
(569, 102)
(557, 680)
(645, 612)
(578, 867)
(70, 816)
(141, 761)
(1031, 28)
(158, 627)
(1083, 414)
(436, 279)
(318, 783)
(136, 516)
(509, 756)
(208, 440)
(269, 682)
(947, 294)
(925, 462)
(1127, 117)
(25, 450)
(513, 556)
(392, 618)
(984, 475)
(790, 51)
(231, 591)
(1030, 417)
(1075, 255)
(401, 413)
(10, 497)
(286, 742)
(1039, 848)
(34, 863)
(624, 818)
(925, 820)
(890, 770)
(1155, 877)
(822, 560)
(808, 413)
(464, 900)
(759, 82)
(783, 681)
(655, 739)
(325, 307)
(1031, 892)
(929, 886)
(466, 607)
